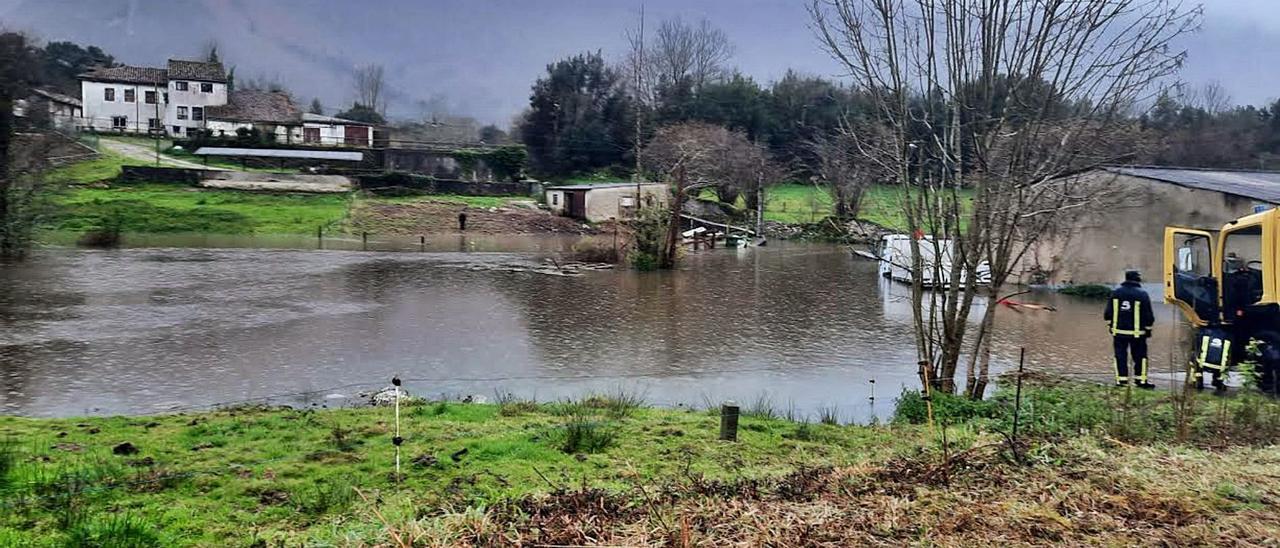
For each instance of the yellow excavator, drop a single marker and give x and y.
(1227, 284)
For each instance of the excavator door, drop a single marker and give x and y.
(1190, 281)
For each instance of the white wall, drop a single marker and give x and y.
(336, 134)
(555, 201)
(193, 97)
(98, 112)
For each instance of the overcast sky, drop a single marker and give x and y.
(479, 57)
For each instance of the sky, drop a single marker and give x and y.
(479, 57)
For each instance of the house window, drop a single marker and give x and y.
(197, 113)
(182, 113)
(149, 97)
(177, 130)
(180, 86)
(166, 97)
(109, 94)
(119, 122)
(555, 199)
(154, 124)
(206, 88)
(130, 95)
(311, 135)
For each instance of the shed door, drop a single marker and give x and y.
(311, 135)
(356, 135)
(576, 200)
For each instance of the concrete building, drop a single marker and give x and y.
(602, 202)
(1104, 241)
(57, 110)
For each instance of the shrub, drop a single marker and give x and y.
(581, 434)
(913, 408)
(1088, 291)
(123, 531)
(323, 497)
(592, 251)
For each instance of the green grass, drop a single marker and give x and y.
(107, 166)
(795, 203)
(159, 208)
(281, 476)
(271, 476)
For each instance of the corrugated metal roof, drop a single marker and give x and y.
(313, 117)
(601, 185)
(1258, 185)
(281, 153)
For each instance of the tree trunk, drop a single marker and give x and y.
(673, 227)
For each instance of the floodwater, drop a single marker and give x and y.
(803, 326)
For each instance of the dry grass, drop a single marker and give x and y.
(1080, 493)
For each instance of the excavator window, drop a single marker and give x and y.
(1242, 269)
(1193, 275)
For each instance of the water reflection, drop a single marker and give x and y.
(149, 329)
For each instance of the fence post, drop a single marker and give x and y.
(364, 241)
(1017, 397)
(729, 421)
(320, 237)
(397, 440)
(422, 242)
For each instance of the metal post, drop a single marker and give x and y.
(397, 440)
(729, 421)
(1017, 394)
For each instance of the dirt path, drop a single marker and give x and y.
(441, 217)
(139, 152)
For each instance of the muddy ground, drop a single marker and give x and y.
(441, 217)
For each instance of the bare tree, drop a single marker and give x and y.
(697, 155)
(841, 169)
(370, 87)
(680, 53)
(1000, 100)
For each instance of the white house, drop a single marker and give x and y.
(125, 98)
(194, 86)
(274, 113)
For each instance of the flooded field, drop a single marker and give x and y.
(803, 326)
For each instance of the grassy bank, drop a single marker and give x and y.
(1092, 466)
(159, 208)
(795, 203)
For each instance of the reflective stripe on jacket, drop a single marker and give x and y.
(1128, 312)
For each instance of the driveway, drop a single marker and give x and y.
(145, 154)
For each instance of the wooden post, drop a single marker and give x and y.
(320, 236)
(729, 421)
(364, 241)
(422, 242)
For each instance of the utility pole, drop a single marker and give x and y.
(639, 69)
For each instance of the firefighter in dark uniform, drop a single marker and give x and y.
(1129, 317)
(1212, 355)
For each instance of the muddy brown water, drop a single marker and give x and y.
(159, 327)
